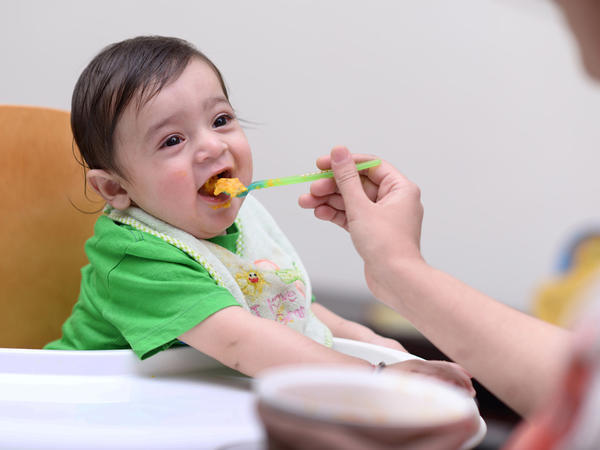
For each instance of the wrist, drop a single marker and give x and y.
(395, 269)
(379, 366)
(397, 280)
(383, 341)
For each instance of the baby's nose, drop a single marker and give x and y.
(210, 146)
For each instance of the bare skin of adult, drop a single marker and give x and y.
(516, 356)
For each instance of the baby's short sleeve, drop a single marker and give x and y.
(138, 292)
(156, 293)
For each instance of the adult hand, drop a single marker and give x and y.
(381, 210)
(446, 371)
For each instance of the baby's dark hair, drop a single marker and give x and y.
(135, 68)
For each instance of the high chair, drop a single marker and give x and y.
(42, 231)
(179, 398)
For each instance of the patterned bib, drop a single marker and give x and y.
(265, 274)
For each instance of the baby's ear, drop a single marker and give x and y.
(109, 187)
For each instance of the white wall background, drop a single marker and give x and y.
(481, 102)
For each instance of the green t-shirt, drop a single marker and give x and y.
(140, 292)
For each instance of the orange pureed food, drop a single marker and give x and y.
(227, 204)
(210, 184)
(231, 186)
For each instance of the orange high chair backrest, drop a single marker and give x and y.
(41, 233)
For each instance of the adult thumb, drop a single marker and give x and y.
(347, 179)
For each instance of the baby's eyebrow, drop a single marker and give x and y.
(210, 102)
(213, 101)
(158, 125)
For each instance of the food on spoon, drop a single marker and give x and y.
(231, 186)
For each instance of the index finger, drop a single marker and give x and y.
(324, 162)
(375, 174)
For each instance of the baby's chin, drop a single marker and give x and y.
(206, 234)
(221, 221)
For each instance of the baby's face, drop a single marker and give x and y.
(175, 143)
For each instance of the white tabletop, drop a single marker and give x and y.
(178, 398)
(110, 400)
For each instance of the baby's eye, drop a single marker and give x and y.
(222, 120)
(172, 140)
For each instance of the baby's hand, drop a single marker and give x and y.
(386, 342)
(443, 370)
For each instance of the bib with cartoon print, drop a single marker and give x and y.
(265, 275)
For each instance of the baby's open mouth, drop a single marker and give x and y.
(208, 188)
(221, 184)
(221, 187)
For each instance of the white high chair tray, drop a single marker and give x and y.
(178, 398)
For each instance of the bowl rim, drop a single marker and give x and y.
(268, 383)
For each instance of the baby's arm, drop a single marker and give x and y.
(344, 328)
(249, 344)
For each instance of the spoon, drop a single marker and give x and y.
(294, 179)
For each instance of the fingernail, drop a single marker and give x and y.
(339, 154)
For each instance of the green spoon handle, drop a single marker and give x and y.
(294, 179)
(318, 175)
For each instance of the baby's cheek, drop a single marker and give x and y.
(174, 185)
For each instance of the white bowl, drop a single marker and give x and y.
(411, 387)
(360, 397)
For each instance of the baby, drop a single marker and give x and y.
(170, 264)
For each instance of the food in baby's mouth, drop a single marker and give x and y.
(231, 186)
(211, 183)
